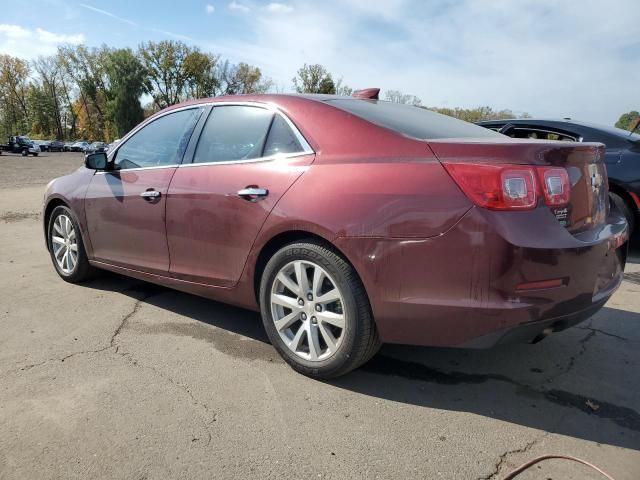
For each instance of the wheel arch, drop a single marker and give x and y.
(51, 205)
(282, 239)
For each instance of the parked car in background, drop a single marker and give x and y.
(80, 147)
(43, 144)
(96, 147)
(393, 223)
(622, 156)
(112, 145)
(20, 144)
(67, 146)
(56, 146)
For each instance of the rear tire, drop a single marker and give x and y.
(309, 336)
(625, 209)
(67, 248)
(24, 152)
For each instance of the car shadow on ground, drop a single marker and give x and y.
(498, 383)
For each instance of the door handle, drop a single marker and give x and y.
(150, 194)
(253, 193)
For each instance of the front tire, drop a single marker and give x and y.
(66, 247)
(316, 312)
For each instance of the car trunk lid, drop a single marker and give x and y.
(584, 162)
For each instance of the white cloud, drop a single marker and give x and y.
(209, 8)
(548, 58)
(27, 43)
(239, 7)
(276, 7)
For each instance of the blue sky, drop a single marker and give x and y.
(550, 58)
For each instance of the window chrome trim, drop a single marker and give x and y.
(270, 158)
(306, 147)
(136, 169)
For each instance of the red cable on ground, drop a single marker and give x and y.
(529, 464)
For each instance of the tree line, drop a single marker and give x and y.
(96, 93)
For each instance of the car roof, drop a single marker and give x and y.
(586, 129)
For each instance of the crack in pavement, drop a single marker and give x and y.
(125, 319)
(608, 334)
(210, 415)
(572, 359)
(503, 457)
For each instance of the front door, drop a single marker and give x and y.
(246, 158)
(125, 206)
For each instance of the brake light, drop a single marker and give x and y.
(511, 187)
(556, 186)
(496, 187)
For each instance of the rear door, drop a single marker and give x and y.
(247, 156)
(125, 207)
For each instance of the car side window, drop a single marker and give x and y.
(233, 132)
(281, 139)
(160, 143)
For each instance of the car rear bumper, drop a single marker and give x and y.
(477, 284)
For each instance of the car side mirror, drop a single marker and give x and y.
(96, 161)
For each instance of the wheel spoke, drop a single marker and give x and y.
(328, 337)
(294, 344)
(65, 265)
(72, 259)
(67, 226)
(301, 276)
(56, 252)
(318, 278)
(289, 283)
(72, 235)
(331, 318)
(314, 342)
(287, 321)
(73, 247)
(330, 296)
(57, 226)
(58, 240)
(285, 301)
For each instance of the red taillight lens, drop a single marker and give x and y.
(555, 185)
(496, 187)
(511, 187)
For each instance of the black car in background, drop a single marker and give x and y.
(622, 154)
(96, 147)
(56, 146)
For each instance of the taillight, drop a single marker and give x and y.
(497, 187)
(555, 185)
(511, 187)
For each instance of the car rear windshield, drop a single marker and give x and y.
(415, 122)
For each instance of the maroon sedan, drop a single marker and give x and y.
(348, 222)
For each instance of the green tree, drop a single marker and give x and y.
(14, 88)
(48, 109)
(626, 119)
(201, 74)
(86, 68)
(127, 78)
(314, 79)
(244, 79)
(167, 76)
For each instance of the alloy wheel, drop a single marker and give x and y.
(64, 243)
(308, 311)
